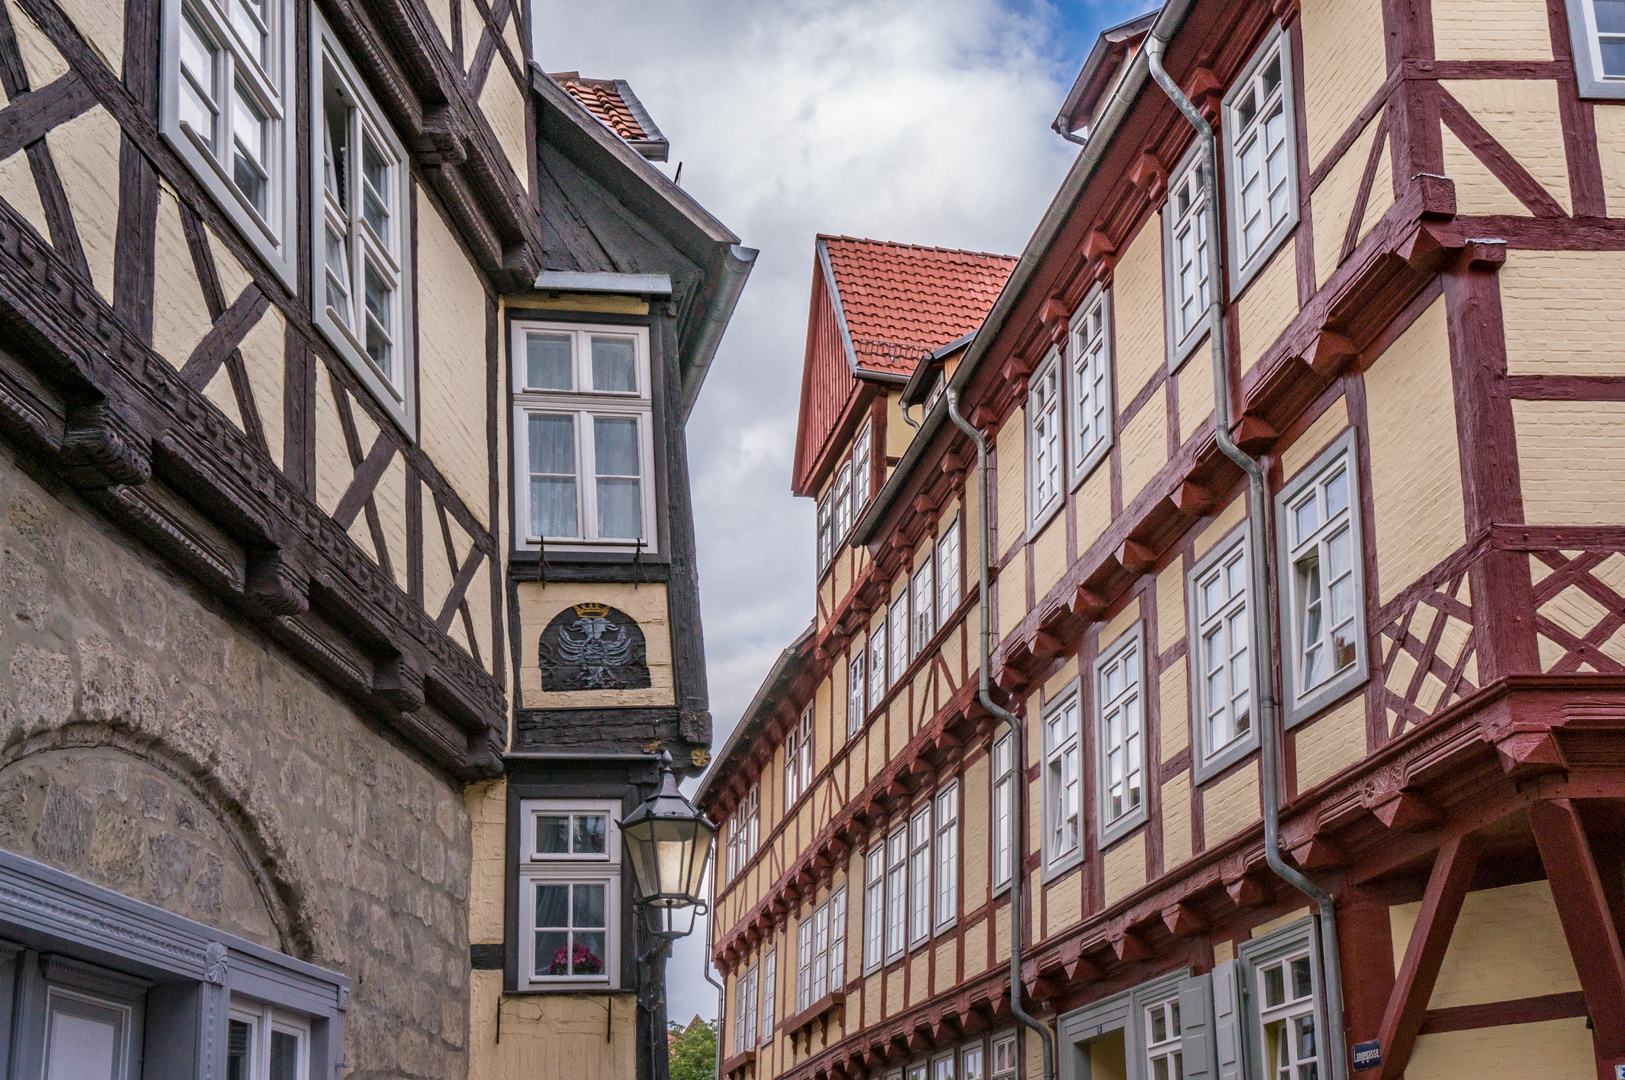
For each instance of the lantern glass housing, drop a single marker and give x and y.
(668, 842)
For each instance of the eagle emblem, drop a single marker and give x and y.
(592, 646)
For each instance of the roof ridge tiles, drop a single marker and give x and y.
(905, 245)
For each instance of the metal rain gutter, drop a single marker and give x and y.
(1258, 567)
(1017, 725)
(737, 262)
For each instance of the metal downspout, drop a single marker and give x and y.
(1018, 834)
(1258, 565)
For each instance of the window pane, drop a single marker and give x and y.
(553, 952)
(588, 956)
(1611, 16)
(239, 1047)
(336, 145)
(379, 297)
(553, 506)
(552, 906)
(589, 834)
(589, 906)
(198, 91)
(1613, 54)
(375, 189)
(552, 444)
(248, 16)
(284, 1056)
(548, 362)
(614, 365)
(620, 509)
(552, 834)
(248, 155)
(616, 443)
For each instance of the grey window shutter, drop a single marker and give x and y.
(1196, 1028)
(1227, 1021)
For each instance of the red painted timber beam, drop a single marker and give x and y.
(1413, 986)
(1582, 905)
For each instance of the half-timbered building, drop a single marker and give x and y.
(1299, 739)
(270, 468)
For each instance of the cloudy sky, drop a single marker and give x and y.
(924, 121)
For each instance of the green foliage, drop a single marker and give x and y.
(694, 1050)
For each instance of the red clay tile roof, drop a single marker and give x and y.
(603, 99)
(903, 300)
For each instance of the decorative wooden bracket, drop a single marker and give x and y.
(1330, 352)
(1130, 946)
(1247, 890)
(1447, 887)
(1183, 921)
(1406, 811)
(103, 446)
(1086, 603)
(1135, 556)
(400, 683)
(1149, 176)
(276, 583)
(1192, 500)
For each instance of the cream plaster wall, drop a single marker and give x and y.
(1345, 61)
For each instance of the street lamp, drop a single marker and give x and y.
(668, 842)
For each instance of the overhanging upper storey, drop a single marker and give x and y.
(877, 307)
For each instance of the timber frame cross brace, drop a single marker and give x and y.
(1583, 909)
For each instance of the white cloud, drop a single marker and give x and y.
(896, 120)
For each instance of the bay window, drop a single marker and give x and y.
(360, 206)
(583, 437)
(226, 81)
(569, 889)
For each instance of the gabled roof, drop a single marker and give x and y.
(896, 302)
(614, 104)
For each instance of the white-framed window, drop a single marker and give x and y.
(843, 504)
(583, 437)
(1044, 447)
(862, 469)
(360, 205)
(942, 1067)
(744, 831)
(821, 951)
(874, 908)
(569, 893)
(842, 495)
(1597, 29)
(1063, 782)
(1323, 586)
(1221, 660)
(1003, 810)
(1091, 347)
(900, 655)
(1164, 1052)
(949, 591)
(856, 699)
(226, 108)
(1185, 256)
(919, 875)
(971, 1063)
(925, 607)
(877, 665)
(897, 893)
(770, 987)
(1004, 1057)
(1120, 735)
(920, 1070)
(1262, 168)
(1283, 999)
(946, 845)
(826, 531)
(798, 759)
(745, 998)
(263, 1043)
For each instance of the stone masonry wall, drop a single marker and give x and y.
(151, 743)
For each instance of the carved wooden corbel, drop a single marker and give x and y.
(277, 583)
(103, 445)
